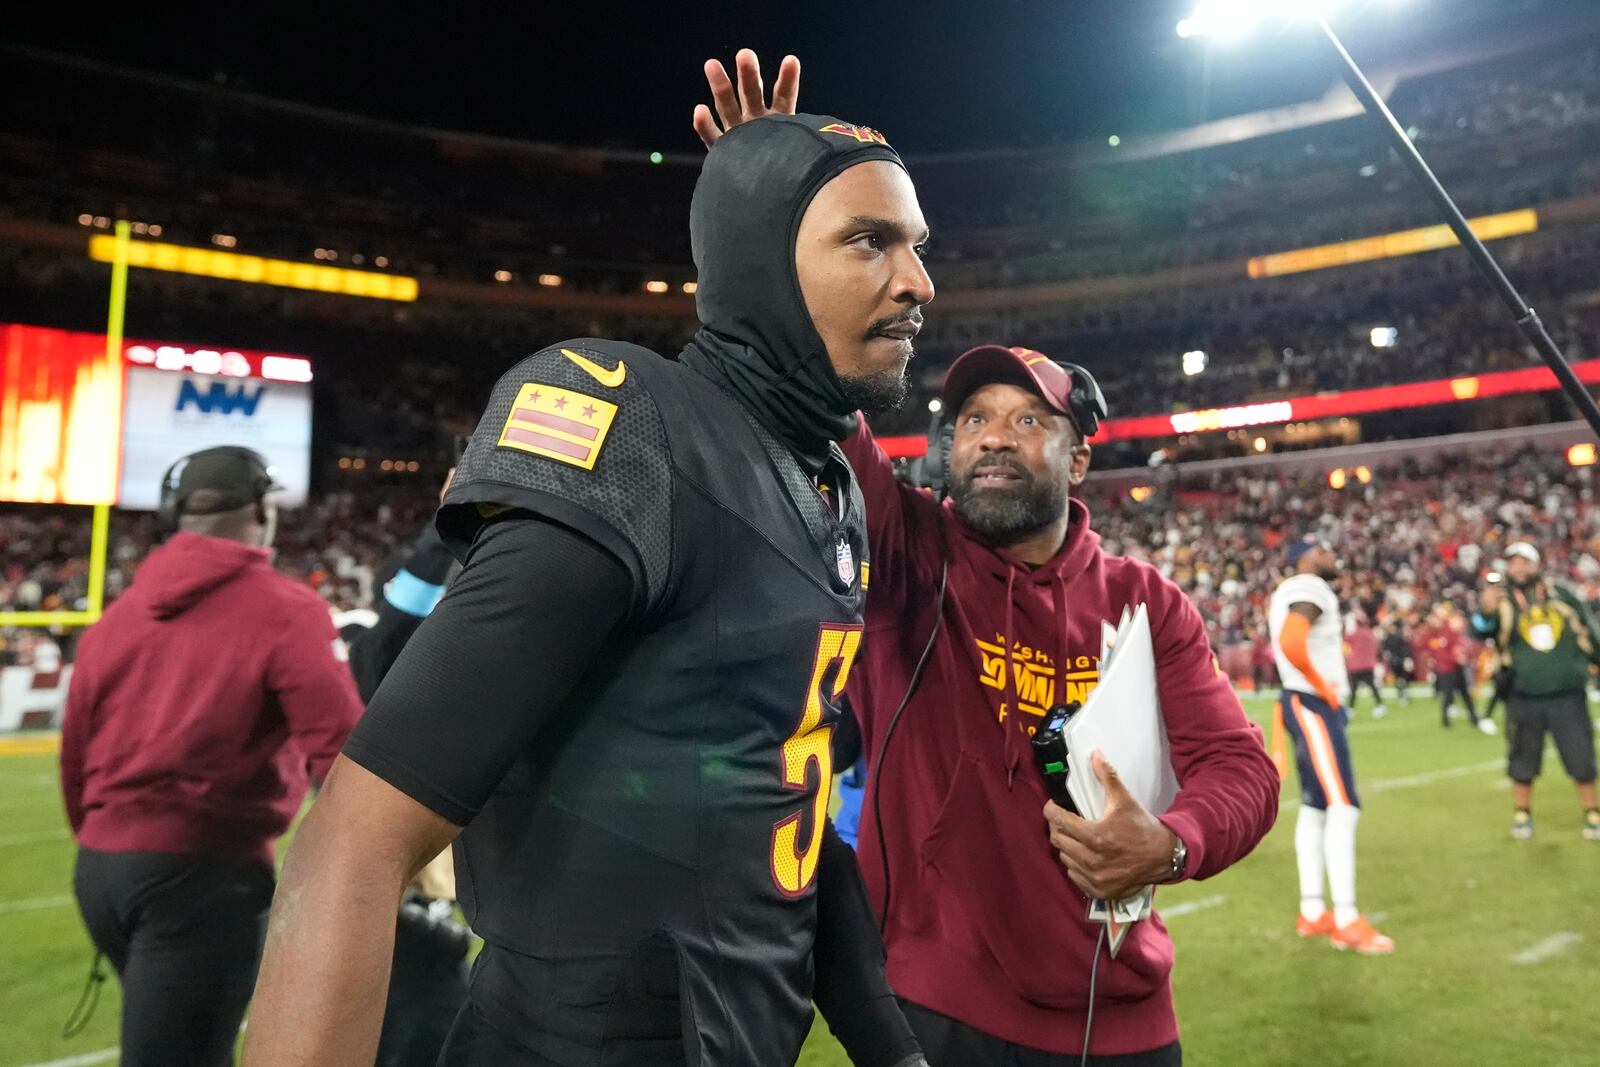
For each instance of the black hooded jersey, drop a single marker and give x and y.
(654, 849)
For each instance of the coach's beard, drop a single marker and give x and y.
(1006, 516)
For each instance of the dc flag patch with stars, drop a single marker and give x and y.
(558, 423)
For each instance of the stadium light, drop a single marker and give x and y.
(1236, 17)
(1194, 362)
(936, 405)
(1581, 455)
(1384, 336)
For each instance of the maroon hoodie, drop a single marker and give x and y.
(1441, 648)
(984, 925)
(201, 704)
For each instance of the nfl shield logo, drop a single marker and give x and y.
(847, 563)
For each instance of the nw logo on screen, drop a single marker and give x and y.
(218, 398)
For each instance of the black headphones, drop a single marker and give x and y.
(167, 510)
(1085, 401)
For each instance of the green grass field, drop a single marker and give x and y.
(1496, 940)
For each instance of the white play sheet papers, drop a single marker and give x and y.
(1122, 718)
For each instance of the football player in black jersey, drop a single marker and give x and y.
(627, 697)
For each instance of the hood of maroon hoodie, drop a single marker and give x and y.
(191, 567)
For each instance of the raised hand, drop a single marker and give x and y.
(749, 101)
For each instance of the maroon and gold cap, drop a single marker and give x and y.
(1068, 389)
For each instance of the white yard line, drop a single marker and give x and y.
(105, 1055)
(1188, 907)
(28, 839)
(33, 904)
(1384, 785)
(1554, 945)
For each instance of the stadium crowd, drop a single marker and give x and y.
(338, 544)
(1311, 337)
(1415, 536)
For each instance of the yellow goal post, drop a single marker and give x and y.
(101, 534)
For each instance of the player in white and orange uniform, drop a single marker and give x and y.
(1307, 639)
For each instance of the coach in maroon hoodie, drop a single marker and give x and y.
(201, 705)
(985, 909)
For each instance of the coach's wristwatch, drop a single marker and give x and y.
(1180, 860)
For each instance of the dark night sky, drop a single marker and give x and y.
(939, 74)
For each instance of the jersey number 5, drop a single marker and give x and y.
(794, 862)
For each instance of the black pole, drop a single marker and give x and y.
(1527, 319)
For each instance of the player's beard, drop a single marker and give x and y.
(880, 392)
(1006, 516)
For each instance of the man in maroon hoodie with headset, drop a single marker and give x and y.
(202, 705)
(984, 611)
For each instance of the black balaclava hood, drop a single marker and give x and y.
(756, 338)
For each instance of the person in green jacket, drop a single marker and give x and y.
(1547, 641)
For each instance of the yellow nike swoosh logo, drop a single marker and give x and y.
(608, 378)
